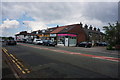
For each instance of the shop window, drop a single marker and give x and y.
(74, 37)
(61, 40)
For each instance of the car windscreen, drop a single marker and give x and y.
(38, 40)
(50, 41)
(83, 42)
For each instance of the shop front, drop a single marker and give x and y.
(67, 39)
(53, 37)
(44, 36)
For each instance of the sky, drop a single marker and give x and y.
(31, 16)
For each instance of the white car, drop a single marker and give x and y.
(38, 41)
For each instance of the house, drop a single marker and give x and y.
(93, 34)
(21, 36)
(69, 35)
(46, 34)
(24, 36)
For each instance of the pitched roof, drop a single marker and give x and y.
(68, 28)
(64, 28)
(31, 34)
(50, 29)
(57, 30)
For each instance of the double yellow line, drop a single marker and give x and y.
(19, 65)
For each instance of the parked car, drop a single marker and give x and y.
(85, 44)
(102, 44)
(37, 41)
(11, 42)
(1, 40)
(29, 41)
(49, 43)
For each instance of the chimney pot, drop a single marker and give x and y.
(57, 26)
(86, 26)
(95, 28)
(81, 24)
(98, 29)
(90, 27)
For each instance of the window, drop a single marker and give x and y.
(60, 40)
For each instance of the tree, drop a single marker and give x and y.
(112, 34)
(117, 33)
(10, 38)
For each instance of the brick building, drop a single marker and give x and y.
(93, 34)
(69, 35)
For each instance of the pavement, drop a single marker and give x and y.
(99, 50)
(45, 63)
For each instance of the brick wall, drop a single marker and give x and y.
(81, 36)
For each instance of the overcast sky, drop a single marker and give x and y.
(20, 16)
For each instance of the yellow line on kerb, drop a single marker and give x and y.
(17, 62)
(19, 67)
(5, 51)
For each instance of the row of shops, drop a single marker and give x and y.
(68, 35)
(61, 39)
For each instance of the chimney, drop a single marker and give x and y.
(57, 26)
(23, 32)
(81, 24)
(95, 28)
(98, 29)
(90, 27)
(86, 26)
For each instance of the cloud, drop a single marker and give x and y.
(97, 14)
(9, 24)
(35, 25)
(60, 0)
(50, 12)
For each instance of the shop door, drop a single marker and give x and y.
(52, 39)
(66, 41)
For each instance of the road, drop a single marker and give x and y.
(60, 62)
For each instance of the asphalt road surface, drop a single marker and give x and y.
(54, 62)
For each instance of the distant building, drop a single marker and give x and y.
(24, 36)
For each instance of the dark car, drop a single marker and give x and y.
(102, 44)
(11, 42)
(49, 43)
(85, 44)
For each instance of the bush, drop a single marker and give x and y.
(109, 47)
